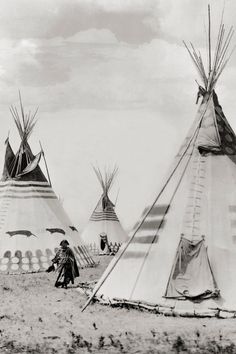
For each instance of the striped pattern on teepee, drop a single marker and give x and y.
(104, 215)
(26, 190)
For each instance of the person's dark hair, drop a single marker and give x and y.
(64, 242)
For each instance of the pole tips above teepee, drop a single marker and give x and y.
(214, 65)
(25, 122)
(106, 178)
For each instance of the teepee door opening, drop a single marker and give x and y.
(104, 245)
(191, 276)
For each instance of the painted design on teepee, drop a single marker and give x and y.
(104, 233)
(56, 230)
(178, 256)
(73, 228)
(32, 220)
(26, 233)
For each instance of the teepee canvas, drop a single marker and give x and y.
(181, 258)
(104, 233)
(32, 219)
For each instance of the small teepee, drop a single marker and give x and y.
(104, 233)
(32, 219)
(181, 258)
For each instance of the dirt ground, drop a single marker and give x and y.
(35, 317)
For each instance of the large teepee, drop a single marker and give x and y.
(181, 258)
(32, 219)
(104, 233)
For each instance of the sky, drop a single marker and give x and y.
(114, 86)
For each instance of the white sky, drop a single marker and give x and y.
(114, 85)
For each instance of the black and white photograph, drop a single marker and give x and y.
(118, 176)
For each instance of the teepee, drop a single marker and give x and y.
(32, 219)
(181, 258)
(104, 233)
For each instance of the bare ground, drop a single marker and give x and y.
(35, 317)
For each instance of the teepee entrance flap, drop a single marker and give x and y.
(191, 276)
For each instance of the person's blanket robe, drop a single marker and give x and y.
(67, 267)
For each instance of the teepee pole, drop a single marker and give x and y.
(218, 61)
(209, 37)
(49, 179)
(117, 196)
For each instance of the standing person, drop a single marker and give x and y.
(67, 267)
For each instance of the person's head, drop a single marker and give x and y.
(64, 244)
